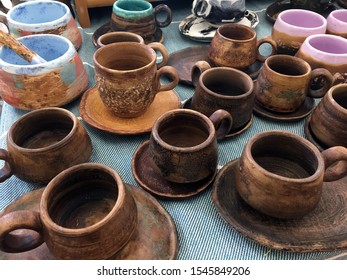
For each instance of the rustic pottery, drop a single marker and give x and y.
(117, 37)
(139, 16)
(128, 78)
(281, 174)
(326, 51)
(337, 23)
(293, 26)
(329, 118)
(183, 144)
(85, 212)
(285, 81)
(56, 82)
(43, 143)
(235, 45)
(223, 88)
(42, 17)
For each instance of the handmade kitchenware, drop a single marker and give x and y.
(284, 83)
(223, 88)
(329, 118)
(38, 17)
(235, 45)
(337, 23)
(54, 83)
(86, 212)
(128, 78)
(43, 143)
(326, 51)
(139, 16)
(293, 26)
(117, 37)
(281, 174)
(183, 144)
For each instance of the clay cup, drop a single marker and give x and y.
(337, 23)
(223, 88)
(281, 174)
(285, 81)
(183, 144)
(85, 212)
(128, 78)
(43, 143)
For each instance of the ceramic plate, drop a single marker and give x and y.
(324, 229)
(156, 236)
(94, 113)
(198, 29)
(150, 181)
(302, 112)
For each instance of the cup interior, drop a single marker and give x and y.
(341, 15)
(284, 156)
(82, 199)
(37, 12)
(290, 67)
(184, 131)
(134, 5)
(302, 18)
(236, 32)
(340, 97)
(328, 44)
(42, 129)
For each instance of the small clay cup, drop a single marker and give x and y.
(337, 23)
(118, 37)
(281, 174)
(223, 88)
(329, 118)
(85, 212)
(42, 17)
(293, 26)
(285, 81)
(236, 45)
(128, 78)
(326, 51)
(183, 144)
(42, 143)
(139, 16)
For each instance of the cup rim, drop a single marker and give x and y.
(289, 135)
(120, 33)
(172, 114)
(56, 145)
(42, 25)
(117, 10)
(330, 96)
(236, 26)
(308, 45)
(302, 12)
(289, 57)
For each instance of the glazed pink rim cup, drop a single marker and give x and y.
(293, 26)
(337, 23)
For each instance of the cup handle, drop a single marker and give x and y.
(3, 8)
(160, 48)
(265, 40)
(173, 75)
(198, 68)
(6, 170)
(3, 20)
(21, 219)
(335, 160)
(164, 9)
(317, 74)
(222, 121)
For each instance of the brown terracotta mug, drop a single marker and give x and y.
(128, 78)
(281, 174)
(118, 37)
(329, 118)
(236, 45)
(43, 143)
(223, 88)
(85, 212)
(285, 81)
(183, 144)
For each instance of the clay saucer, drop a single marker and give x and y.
(342, 3)
(156, 236)
(232, 132)
(311, 137)
(94, 112)
(304, 110)
(106, 28)
(184, 60)
(324, 229)
(150, 181)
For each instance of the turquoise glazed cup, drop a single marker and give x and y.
(42, 17)
(54, 83)
(139, 16)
